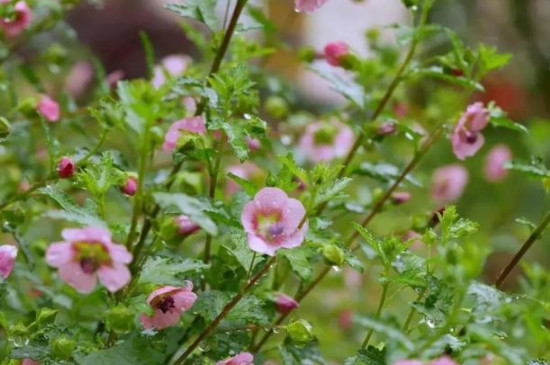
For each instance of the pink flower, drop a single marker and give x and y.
(413, 236)
(30, 362)
(448, 183)
(400, 197)
(325, 141)
(271, 221)
(114, 77)
(87, 253)
(494, 170)
(245, 171)
(8, 254)
(79, 79)
(345, 319)
(466, 138)
(387, 128)
(185, 225)
(309, 6)
(130, 186)
(444, 360)
(168, 303)
(65, 168)
(177, 130)
(244, 358)
(285, 304)
(253, 144)
(49, 109)
(335, 51)
(174, 65)
(21, 20)
(408, 362)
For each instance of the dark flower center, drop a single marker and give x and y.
(275, 230)
(471, 137)
(88, 265)
(166, 304)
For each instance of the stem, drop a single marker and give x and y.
(522, 251)
(385, 288)
(226, 309)
(412, 312)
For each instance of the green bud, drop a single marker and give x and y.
(169, 231)
(276, 107)
(300, 332)
(5, 128)
(157, 135)
(62, 347)
(333, 255)
(120, 319)
(349, 61)
(307, 54)
(46, 315)
(27, 107)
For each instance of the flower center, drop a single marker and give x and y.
(269, 226)
(91, 255)
(471, 137)
(325, 135)
(166, 304)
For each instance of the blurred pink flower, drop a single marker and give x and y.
(334, 52)
(494, 170)
(387, 128)
(413, 236)
(272, 221)
(285, 304)
(114, 77)
(20, 21)
(323, 141)
(30, 362)
(444, 360)
(65, 168)
(345, 319)
(309, 6)
(408, 362)
(178, 128)
(78, 80)
(87, 253)
(49, 109)
(466, 138)
(8, 254)
(185, 225)
(245, 171)
(190, 105)
(400, 197)
(253, 144)
(244, 358)
(174, 65)
(130, 185)
(168, 303)
(448, 183)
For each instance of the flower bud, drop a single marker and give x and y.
(62, 347)
(49, 109)
(46, 315)
(338, 54)
(307, 54)
(186, 226)
(130, 184)
(386, 129)
(400, 197)
(120, 319)
(8, 255)
(285, 304)
(300, 332)
(5, 128)
(333, 255)
(276, 107)
(65, 168)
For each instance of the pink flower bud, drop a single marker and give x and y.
(400, 197)
(186, 226)
(65, 168)
(308, 6)
(285, 304)
(494, 170)
(253, 144)
(130, 186)
(8, 254)
(387, 128)
(20, 21)
(244, 358)
(335, 51)
(49, 109)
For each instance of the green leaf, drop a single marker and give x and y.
(388, 331)
(250, 188)
(236, 243)
(99, 177)
(149, 53)
(534, 168)
(383, 172)
(332, 190)
(193, 207)
(490, 59)
(249, 309)
(299, 260)
(439, 73)
(347, 88)
(307, 355)
(369, 356)
(202, 10)
(498, 118)
(169, 271)
(71, 211)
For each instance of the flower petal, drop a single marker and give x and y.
(59, 253)
(114, 277)
(72, 274)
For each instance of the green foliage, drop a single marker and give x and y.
(196, 209)
(201, 10)
(169, 271)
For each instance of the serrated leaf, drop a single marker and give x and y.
(347, 88)
(194, 208)
(439, 73)
(534, 168)
(331, 191)
(499, 118)
(236, 243)
(246, 185)
(169, 271)
(389, 332)
(202, 10)
(307, 355)
(71, 211)
(368, 356)
(298, 258)
(383, 172)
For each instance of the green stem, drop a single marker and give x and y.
(226, 309)
(381, 304)
(412, 312)
(523, 250)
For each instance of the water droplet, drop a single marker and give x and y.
(286, 140)
(336, 269)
